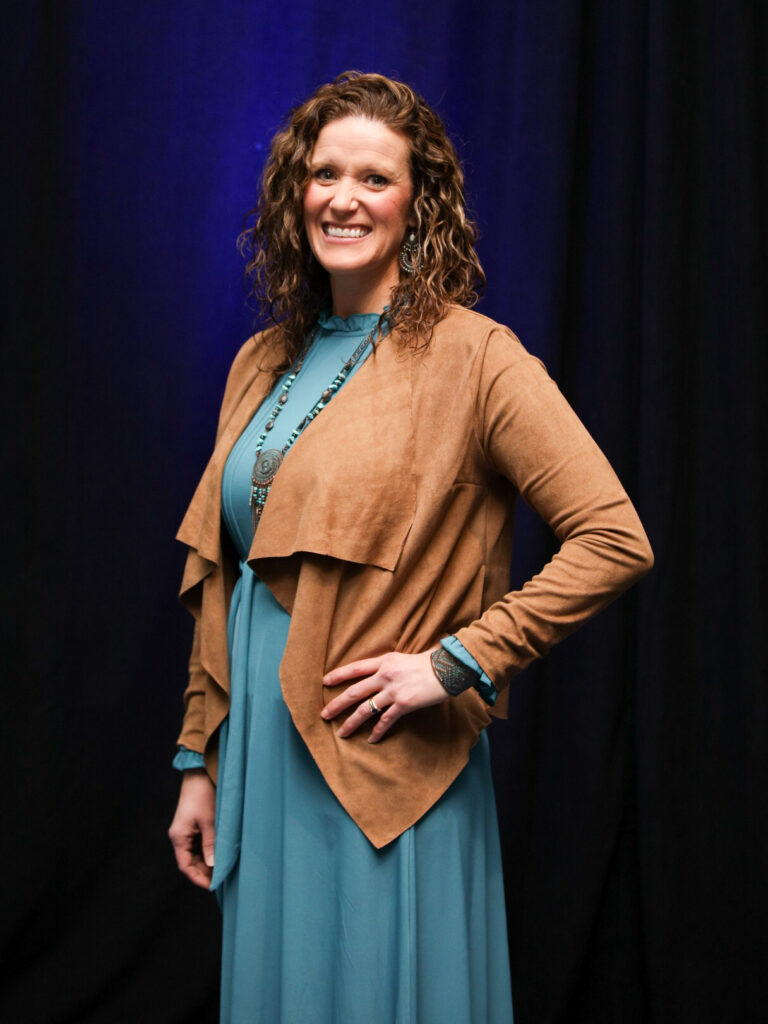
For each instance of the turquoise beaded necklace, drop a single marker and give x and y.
(266, 463)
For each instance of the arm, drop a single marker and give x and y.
(192, 829)
(530, 435)
(192, 735)
(244, 369)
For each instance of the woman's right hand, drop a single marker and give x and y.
(192, 830)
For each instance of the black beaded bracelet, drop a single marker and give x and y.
(453, 674)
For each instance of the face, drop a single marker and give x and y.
(357, 205)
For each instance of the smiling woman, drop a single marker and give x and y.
(349, 545)
(290, 286)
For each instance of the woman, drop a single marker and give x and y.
(349, 546)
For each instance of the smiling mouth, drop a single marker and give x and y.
(334, 231)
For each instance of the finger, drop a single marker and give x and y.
(362, 715)
(208, 838)
(191, 865)
(199, 875)
(354, 670)
(351, 696)
(385, 722)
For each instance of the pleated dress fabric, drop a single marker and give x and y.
(320, 927)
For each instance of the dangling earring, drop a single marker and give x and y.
(410, 257)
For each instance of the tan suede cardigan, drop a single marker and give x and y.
(388, 527)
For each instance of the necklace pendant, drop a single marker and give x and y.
(266, 466)
(262, 475)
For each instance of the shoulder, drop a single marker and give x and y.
(260, 352)
(476, 341)
(466, 322)
(258, 355)
(467, 327)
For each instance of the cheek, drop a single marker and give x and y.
(311, 202)
(394, 212)
(400, 209)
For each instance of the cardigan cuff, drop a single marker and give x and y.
(484, 686)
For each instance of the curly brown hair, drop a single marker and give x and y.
(289, 285)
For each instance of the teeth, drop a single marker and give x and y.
(345, 232)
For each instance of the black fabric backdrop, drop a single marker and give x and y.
(616, 158)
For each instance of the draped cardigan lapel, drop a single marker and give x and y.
(332, 495)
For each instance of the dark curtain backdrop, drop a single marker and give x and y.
(616, 159)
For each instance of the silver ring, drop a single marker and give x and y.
(372, 706)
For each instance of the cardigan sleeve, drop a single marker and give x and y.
(529, 434)
(192, 734)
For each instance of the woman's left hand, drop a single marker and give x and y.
(398, 684)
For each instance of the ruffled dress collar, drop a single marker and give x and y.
(357, 323)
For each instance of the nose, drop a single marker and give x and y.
(344, 198)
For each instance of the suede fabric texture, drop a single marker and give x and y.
(389, 526)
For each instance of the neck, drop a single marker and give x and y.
(352, 296)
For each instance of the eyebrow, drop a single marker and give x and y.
(383, 164)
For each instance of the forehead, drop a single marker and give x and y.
(358, 140)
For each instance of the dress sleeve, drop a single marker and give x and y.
(186, 758)
(483, 683)
(529, 433)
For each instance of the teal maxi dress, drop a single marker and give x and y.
(320, 927)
